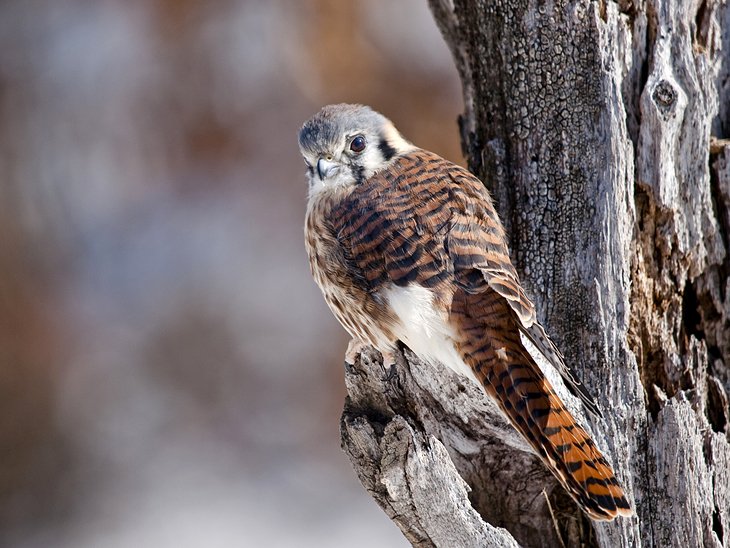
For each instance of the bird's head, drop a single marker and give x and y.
(346, 144)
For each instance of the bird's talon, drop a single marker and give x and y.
(350, 368)
(354, 349)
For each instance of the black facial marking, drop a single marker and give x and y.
(358, 173)
(387, 150)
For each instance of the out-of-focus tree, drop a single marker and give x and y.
(151, 254)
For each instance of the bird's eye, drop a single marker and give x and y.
(357, 144)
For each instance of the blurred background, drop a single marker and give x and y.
(169, 373)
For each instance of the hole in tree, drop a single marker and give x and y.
(691, 317)
(717, 525)
(716, 407)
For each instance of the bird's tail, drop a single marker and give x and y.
(513, 379)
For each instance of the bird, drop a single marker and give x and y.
(408, 248)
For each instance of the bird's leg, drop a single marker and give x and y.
(389, 365)
(354, 348)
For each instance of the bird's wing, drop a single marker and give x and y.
(537, 336)
(428, 221)
(477, 244)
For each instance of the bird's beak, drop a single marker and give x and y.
(325, 167)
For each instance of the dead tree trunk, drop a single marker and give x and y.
(598, 127)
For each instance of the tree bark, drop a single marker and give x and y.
(599, 128)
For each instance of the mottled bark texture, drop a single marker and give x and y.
(600, 128)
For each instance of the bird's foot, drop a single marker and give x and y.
(389, 366)
(354, 349)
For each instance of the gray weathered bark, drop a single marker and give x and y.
(599, 128)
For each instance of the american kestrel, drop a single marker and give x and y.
(407, 246)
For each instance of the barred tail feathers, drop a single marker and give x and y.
(510, 376)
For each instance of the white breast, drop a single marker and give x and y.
(424, 327)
